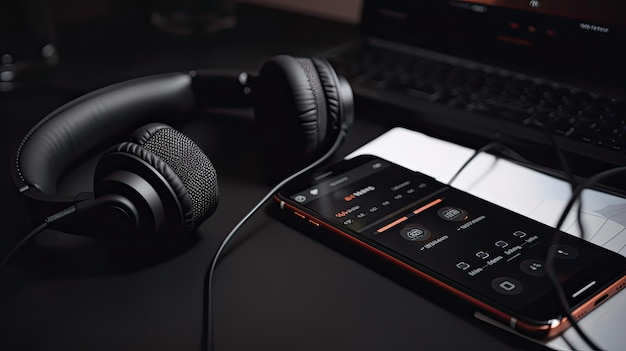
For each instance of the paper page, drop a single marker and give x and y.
(527, 192)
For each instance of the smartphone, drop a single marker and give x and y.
(491, 257)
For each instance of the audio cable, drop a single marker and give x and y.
(577, 189)
(492, 146)
(549, 261)
(61, 214)
(21, 243)
(207, 342)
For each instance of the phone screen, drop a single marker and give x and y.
(483, 250)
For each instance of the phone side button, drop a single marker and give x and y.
(299, 215)
(314, 223)
(513, 323)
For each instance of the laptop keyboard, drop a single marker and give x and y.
(592, 122)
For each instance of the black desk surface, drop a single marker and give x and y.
(275, 289)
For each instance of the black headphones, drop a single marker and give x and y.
(159, 181)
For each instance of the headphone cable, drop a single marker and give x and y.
(207, 310)
(68, 211)
(495, 146)
(549, 264)
(29, 236)
(576, 192)
(576, 188)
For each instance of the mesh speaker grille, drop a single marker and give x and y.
(191, 165)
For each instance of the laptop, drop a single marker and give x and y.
(544, 77)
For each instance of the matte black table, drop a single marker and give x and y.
(277, 288)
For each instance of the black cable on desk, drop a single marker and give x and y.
(207, 310)
(576, 192)
(61, 214)
(25, 239)
(549, 261)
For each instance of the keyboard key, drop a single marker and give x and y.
(588, 117)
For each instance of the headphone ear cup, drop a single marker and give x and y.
(297, 110)
(182, 176)
(189, 164)
(329, 81)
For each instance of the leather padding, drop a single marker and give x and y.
(166, 171)
(193, 171)
(142, 135)
(296, 103)
(330, 83)
(290, 102)
(75, 129)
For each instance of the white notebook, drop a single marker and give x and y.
(527, 192)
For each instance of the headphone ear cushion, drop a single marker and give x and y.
(289, 99)
(172, 182)
(290, 102)
(187, 169)
(173, 165)
(330, 83)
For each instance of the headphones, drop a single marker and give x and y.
(159, 183)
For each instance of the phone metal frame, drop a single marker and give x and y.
(542, 330)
